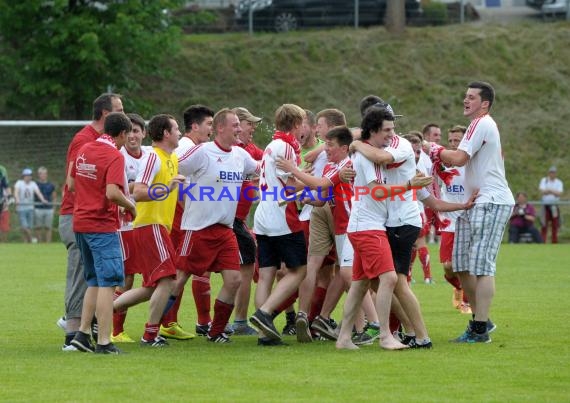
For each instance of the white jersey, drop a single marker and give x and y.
(424, 164)
(367, 213)
(273, 216)
(132, 167)
(547, 184)
(454, 193)
(25, 193)
(184, 144)
(402, 209)
(217, 175)
(318, 168)
(485, 169)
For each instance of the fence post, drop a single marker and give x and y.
(356, 13)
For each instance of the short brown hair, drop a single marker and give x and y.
(288, 116)
(457, 129)
(220, 117)
(158, 124)
(333, 117)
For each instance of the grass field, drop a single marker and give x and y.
(528, 359)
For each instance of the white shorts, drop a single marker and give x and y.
(478, 236)
(344, 250)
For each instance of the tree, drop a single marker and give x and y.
(59, 55)
(396, 16)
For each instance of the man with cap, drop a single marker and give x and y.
(24, 191)
(551, 189)
(246, 242)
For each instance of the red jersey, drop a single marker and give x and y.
(244, 204)
(341, 195)
(98, 164)
(84, 136)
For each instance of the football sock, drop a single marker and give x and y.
(424, 259)
(150, 331)
(222, 313)
(317, 302)
(454, 281)
(118, 322)
(201, 292)
(479, 326)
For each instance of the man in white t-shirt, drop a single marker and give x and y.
(24, 191)
(474, 250)
(551, 189)
(217, 169)
(279, 232)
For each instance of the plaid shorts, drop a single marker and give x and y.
(478, 235)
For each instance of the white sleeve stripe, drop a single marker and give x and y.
(149, 168)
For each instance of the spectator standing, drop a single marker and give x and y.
(5, 200)
(551, 189)
(43, 213)
(522, 220)
(24, 191)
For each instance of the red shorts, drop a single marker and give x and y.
(372, 254)
(433, 218)
(446, 246)
(133, 262)
(212, 249)
(176, 234)
(425, 226)
(156, 253)
(5, 221)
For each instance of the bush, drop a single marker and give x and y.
(435, 13)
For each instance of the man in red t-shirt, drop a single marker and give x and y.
(75, 284)
(99, 182)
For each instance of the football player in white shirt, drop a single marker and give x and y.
(475, 251)
(277, 227)
(551, 189)
(198, 120)
(217, 170)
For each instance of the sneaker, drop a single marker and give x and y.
(266, 341)
(473, 337)
(303, 328)
(325, 327)
(491, 327)
(174, 331)
(107, 349)
(289, 329)
(407, 340)
(82, 341)
(121, 338)
(264, 322)
(62, 323)
(362, 339)
(68, 348)
(429, 281)
(229, 329)
(94, 329)
(202, 330)
(373, 331)
(465, 308)
(220, 338)
(463, 337)
(414, 344)
(243, 329)
(157, 342)
(457, 299)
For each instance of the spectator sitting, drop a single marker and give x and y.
(522, 220)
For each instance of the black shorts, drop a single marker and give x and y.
(402, 240)
(289, 249)
(246, 243)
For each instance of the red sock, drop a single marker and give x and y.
(424, 259)
(454, 281)
(118, 317)
(150, 331)
(222, 313)
(317, 302)
(172, 314)
(286, 304)
(412, 260)
(465, 299)
(201, 292)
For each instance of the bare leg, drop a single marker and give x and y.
(284, 288)
(159, 299)
(386, 286)
(401, 315)
(104, 313)
(88, 311)
(351, 307)
(131, 298)
(232, 280)
(264, 285)
(307, 286)
(339, 284)
(484, 295)
(244, 292)
(411, 306)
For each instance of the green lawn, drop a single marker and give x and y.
(527, 361)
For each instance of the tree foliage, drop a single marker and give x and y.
(59, 55)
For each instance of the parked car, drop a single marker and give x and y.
(288, 15)
(548, 6)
